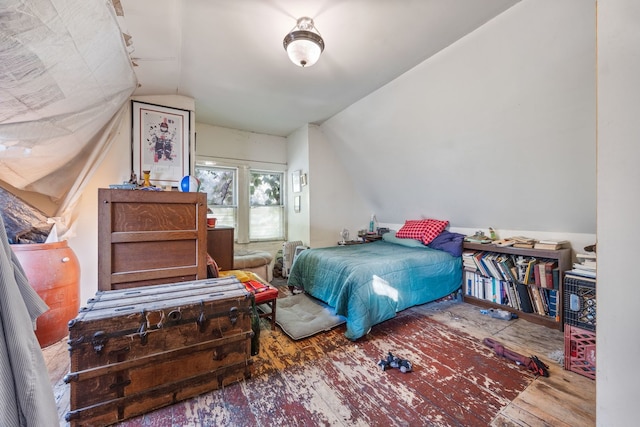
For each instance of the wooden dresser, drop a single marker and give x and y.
(150, 237)
(220, 246)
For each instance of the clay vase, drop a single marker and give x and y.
(53, 271)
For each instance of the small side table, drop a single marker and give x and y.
(367, 239)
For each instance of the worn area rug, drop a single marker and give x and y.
(301, 316)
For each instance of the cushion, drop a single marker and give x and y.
(392, 238)
(263, 292)
(424, 230)
(241, 275)
(448, 242)
(248, 259)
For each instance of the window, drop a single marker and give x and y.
(248, 200)
(220, 186)
(266, 217)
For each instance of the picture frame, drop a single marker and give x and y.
(160, 143)
(296, 204)
(295, 181)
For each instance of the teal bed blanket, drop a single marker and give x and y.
(369, 283)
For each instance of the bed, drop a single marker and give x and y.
(369, 283)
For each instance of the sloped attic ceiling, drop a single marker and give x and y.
(64, 73)
(228, 55)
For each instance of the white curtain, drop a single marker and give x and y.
(26, 396)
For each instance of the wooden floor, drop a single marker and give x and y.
(562, 399)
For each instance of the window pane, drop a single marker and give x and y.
(219, 184)
(266, 217)
(224, 216)
(266, 223)
(265, 188)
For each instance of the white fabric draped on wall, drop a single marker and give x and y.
(65, 73)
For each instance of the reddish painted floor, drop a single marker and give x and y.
(329, 380)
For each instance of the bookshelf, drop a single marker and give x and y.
(561, 256)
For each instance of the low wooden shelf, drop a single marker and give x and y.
(563, 256)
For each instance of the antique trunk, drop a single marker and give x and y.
(138, 349)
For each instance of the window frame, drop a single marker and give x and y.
(281, 206)
(243, 203)
(234, 205)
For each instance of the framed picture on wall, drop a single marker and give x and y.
(295, 181)
(160, 143)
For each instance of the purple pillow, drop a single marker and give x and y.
(448, 242)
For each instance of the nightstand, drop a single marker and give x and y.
(220, 246)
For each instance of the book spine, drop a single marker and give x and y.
(525, 299)
(548, 273)
(552, 296)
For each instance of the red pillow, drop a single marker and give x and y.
(424, 230)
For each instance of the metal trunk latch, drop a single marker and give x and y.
(202, 319)
(233, 315)
(99, 340)
(142, 332)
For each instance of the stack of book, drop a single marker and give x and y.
(585, 265)
(522, 242)
(516, 242)
(468, 263)
(553, 245)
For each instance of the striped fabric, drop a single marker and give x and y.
(26, 396)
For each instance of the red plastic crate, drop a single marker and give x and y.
(580, 351)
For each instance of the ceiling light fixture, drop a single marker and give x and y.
(303, 43)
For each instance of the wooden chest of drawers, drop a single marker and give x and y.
(150, 237)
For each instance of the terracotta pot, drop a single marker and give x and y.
(53, 271)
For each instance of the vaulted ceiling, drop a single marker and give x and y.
(228, 54)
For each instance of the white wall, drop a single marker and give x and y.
(496, 130)
(298, 159)
(618, 333)
(334, 201)
(329, 203)
(239, 146)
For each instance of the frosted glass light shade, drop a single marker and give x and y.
(303, 45)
